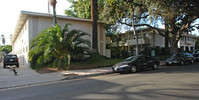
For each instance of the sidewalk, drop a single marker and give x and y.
(27, 76)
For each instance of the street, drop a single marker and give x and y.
(167, 83)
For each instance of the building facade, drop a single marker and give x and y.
(30, 24)
(147, 37)
(187, 42)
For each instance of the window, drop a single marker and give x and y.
(10, 56)
(145, 35)
(191, 48)
(182, 38)
(149, 58)
(188, 38)
(141, 59)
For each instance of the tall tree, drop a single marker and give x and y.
(53, 3)
(128, 12)
(94, 18)
(177, 15)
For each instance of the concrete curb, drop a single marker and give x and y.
(85, 76)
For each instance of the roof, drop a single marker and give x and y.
(25, 14)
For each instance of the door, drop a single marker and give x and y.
(141, 62)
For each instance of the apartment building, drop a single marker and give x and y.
(30, 24)
(149, 38)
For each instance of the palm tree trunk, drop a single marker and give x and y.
(94, 25)
(53, 3)
(54, 15)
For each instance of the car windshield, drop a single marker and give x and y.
(11, 56)
(133, 58)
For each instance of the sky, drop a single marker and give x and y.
(10, 10)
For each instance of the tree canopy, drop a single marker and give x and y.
(82, 9)
(7, 49)
(128, 12)
(178, 17)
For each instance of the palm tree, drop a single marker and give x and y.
(58, 45)
(94, 25)
(53, 3)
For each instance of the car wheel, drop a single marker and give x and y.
(155, 67)
(181, 63)
(17, 66)
(133, 69)
(192, 61)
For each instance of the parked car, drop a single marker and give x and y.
(180, 59)
(11, 60)
(196, 54)
(133, 64)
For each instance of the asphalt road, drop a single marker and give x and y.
(167, 83)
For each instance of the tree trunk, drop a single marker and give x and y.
(136, 37)
(94, 25)
(166, 39)
(173, 46)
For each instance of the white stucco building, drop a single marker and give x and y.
(187, 42)
(30, 24)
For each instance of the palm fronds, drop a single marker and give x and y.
(56, 46)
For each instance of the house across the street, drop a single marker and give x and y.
(30, 24)
(149, 38)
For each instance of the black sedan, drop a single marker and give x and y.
(180, 59)
(134, 63)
